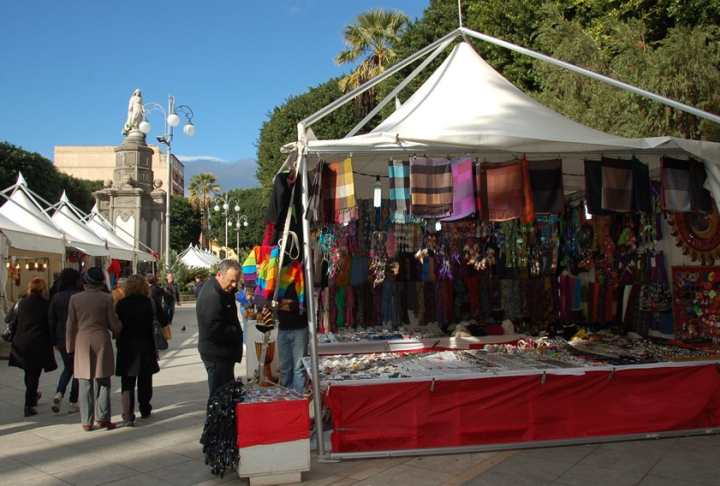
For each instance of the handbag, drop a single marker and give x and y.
(167, 333)
(161, 343)
(11, 323)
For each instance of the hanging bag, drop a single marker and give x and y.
(161, 344)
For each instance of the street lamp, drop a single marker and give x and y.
(225, 207)
(244, 220)
(172, 120)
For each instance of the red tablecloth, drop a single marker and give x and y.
(523, 408)
(271, 422)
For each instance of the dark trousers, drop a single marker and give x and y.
(66, 376)
(144, 394)
(169, 312)
(32, 380)
(219, 373)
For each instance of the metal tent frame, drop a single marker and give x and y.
(304, 134)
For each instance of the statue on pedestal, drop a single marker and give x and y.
(136, 112)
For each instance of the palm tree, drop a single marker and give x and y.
(373, 36)
(202, 189)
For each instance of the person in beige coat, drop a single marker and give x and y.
(91, 323)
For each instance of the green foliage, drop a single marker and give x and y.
(253, 204)
(43, 178)
(184, 223)
(281, 126)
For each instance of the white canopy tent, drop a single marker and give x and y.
(466, 107)
(119, 248)
(194, 257)
(79, 236)
(26, 225)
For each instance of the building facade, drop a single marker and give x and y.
(97, 163)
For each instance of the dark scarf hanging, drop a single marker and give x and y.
(219, 437)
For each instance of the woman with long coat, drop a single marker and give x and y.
(137, 358)
(91, 322)
(31, 345)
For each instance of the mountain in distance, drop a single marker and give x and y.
(237, 174)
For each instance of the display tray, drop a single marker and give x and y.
(411, 344)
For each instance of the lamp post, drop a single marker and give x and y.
(225, 208)
(244, 220)
(172, 120)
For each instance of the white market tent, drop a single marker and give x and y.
(119, 248)
(466, 107)
(26, 225)
(79, 236)
(194, 257)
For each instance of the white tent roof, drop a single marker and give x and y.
(468, 107)
(26, 225)
(195, 258)
(119, 248)
(76, 231)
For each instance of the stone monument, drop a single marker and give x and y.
(134, 201)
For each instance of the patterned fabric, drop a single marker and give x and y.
(617, 185)
(292, 275)
(463, 190)
(506, 192)
(267, 271)
(431, 187)
(547, 186)
(249, 267)
(399, 176)
(675, 185)
(313, 213)
(339, 192)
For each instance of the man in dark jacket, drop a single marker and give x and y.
(156, 295)
(171, 297)
(220, 335)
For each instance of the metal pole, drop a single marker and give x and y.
(168, 193)
(310, 300)
(237, 240)
(599, 77)
(226, 233)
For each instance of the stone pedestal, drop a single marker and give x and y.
(133, 201)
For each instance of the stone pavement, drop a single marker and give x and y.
(52, 449)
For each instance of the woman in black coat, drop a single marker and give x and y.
(31, 345)
(137, 358)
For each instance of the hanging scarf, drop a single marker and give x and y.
(505, 191)
(339, 192)
(431, 187)
(463, 190)
(399, 177)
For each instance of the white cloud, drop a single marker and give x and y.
(193, 158)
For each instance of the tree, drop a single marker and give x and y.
(184, 223)
(281, 126)
(43, 178)
(373, 36)
(202, 188)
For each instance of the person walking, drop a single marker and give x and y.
(220, 339)
(199, 282)
(91, 321)
(31, 347)
(137, 358)
(171, 298)
(157, 295)
(70, 283)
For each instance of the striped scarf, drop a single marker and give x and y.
(340, 206)
(431, 186)
(399, 175)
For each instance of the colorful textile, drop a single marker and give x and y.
(267, 271)
(675, 185)
(399, 177)
(292, 275)
(617, 185)
(338, 185)
(431, 186)
(547, 186)
(506, 192)
(249, 268)
(463, 190)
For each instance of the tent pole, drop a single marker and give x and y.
(399, 87)
(310, 297)
(599, 77)
(323, 112)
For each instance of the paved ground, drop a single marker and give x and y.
(53, 450)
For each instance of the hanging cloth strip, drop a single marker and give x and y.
(431, 187)
(399, 178)
(338, 185)
(547, 186)
(463, 189)
(505, 191)
(617, 185)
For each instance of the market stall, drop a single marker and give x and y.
(85, 244)
(472, 203)
(194, 257)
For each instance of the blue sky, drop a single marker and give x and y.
(68, 68)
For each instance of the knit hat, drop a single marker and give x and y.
(94, 276)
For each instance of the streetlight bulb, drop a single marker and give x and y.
(237, 224)
(438, 226)
(145, 127)
(225, 206)
(189, 129)
(173, 120)
(216, 208)
(245, 223)
(237, 208)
